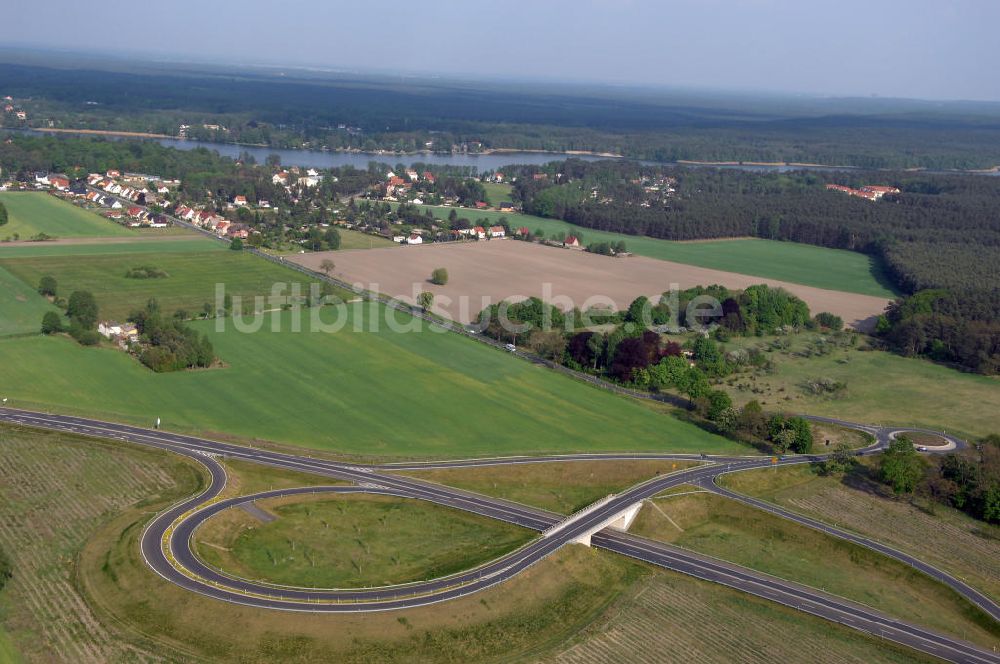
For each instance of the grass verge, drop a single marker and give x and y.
(726, 529)
(560, 486)
(944, 537)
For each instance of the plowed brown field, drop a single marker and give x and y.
(481, 273)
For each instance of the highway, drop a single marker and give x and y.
(166, 541)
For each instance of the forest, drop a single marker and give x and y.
(940, 234)
(352, 112)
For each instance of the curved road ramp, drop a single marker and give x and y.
(166, 541)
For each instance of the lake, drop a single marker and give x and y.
(482, 162)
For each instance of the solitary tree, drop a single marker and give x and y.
(236, 244)
(3, 215)
(425, 300)
(332, 237)
(327, 266)
(51, 323)
(47, 285)
(439, 276)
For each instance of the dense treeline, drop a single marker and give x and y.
(381, 114)
(24, 154)
(167, 344)
(634, 353)
(968, 480)
(940, 232)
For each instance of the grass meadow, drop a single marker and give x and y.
(880, 387)
(365, 393)
(95, 246)
(726, 529)
(497, 193)
(355, 240)
(21, 307)
(833, 269)
(945, 537)
(31, 213)
(353, 541)
(191, 281)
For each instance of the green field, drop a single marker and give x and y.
(97, 247)
(497, 193)
(36, 212)
(21, 307)
(354, 240)
(726, 529)
(191, 282)
(380, 393)
(353, 541)
(804, 264)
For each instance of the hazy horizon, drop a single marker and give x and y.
(914, 49)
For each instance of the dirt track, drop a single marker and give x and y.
(481, 273)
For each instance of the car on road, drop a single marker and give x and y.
(511, 347)
(922, 448)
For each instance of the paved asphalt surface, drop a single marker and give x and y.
(166, 541)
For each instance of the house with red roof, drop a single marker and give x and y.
(59, 182)
(571, 241)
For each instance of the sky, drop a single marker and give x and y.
(926, 49)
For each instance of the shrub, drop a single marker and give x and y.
(146, 272)
(51, 323)
(47, 285)
(830, 321)
(439, 276)
(84, 336)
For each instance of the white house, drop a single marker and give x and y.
(497, 231)
(414, 239)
